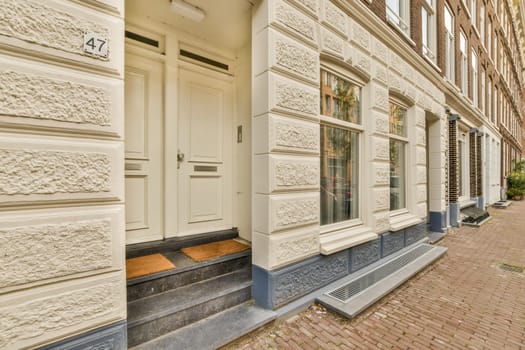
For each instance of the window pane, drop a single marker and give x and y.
(397, 174)
(342, 99)
(448, 21)
(424, 26)
(397, 120)
(339, 175)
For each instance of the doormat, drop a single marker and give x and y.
(214, 250)
(147, 265)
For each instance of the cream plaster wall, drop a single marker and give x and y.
(61, 171)
(291, 38)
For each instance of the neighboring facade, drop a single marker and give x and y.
(330, 133)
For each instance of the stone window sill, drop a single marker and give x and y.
(336, 241)
(401, 221)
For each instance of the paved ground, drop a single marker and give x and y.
(463, 301)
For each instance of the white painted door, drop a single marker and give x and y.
(205, 152)
(144, 149)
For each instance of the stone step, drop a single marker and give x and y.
(158, 314)
(186, 272)
(215, 331)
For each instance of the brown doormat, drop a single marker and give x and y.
(214, 250)
(147, 265)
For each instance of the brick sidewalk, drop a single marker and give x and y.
(463, 301)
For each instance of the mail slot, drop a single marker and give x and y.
(209, 168)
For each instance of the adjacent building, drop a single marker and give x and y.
(328, 133)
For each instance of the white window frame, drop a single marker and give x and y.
(450, 50)
(473, 12)
(428, 9)
(464, 165)
(482, 23)
(399, 17)
(463, 48)
(475, 79)
(406, 141)
(489, 38)
(483, 92)
(490, 115)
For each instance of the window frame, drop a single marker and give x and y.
(475, 78)
(405, 139)
(353, 127)
(464, 81)
(400, 19)
(429, 49)
(450, 50)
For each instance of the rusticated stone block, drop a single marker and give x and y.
(391, 242)
(48, 172)
(296, 174)
(332, 43)
(415, 233)
(360, 36)
(33, 22)
(294, 57)
(294, 20)
(295, 97)
(334, 17)
(56, 250)
(32, 96)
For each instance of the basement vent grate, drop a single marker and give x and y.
(344, 293)
(511, 268)
(203, 59)
(142, 39)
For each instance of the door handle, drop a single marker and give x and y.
(180, 158)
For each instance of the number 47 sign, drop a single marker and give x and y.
(96, 44)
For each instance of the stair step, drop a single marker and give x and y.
(215, 331)
(155, 315)
(186, 272)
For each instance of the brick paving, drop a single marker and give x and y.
(463, 301)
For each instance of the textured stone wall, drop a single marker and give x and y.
(61, 171)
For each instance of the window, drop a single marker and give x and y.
(464, 62)
(475, 87)
(483, 92)
(489, 38)
(397, 12)
(463, 167)
(398, 145)
(340, 132)
(489, 102)
(473, 12)
(428, 28)
(482, 23)
(449, 44)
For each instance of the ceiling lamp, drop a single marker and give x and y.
(187, 10)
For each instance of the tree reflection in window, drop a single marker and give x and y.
(340, 98)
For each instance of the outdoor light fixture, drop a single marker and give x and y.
(187, 10)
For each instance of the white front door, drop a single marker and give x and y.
(143, 148)
(204, 152)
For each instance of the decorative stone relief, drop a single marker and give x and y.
(38, 317)
(296, 135)
(361, 36)
(409, 75)
(33, 22)
(297, 59)
(380, 50)
(382, 222)
(309, 5)
(421, 193)
(296, 97)
(420, 118)
(381, 199)
(421, 137)
(414, 233)
(331, 42)
(381, 123)
(334, 17)
(421, 175)
(289, 250)
(421, 155)
(296, 212)
(24, 95)
(381, 97)
(363, 64)
(396, 62)
(382, 174)
(56, 250)
(288, 174)
(381, 73)
(309, 277)
(48, 172)
(381, 148)
(410, 93)
(294, 20)
(394, 81)
(365, 254)
(392, 242)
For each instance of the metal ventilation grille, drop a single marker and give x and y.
(511, 268)
(344, 293)
(203, 59)
(142, 39)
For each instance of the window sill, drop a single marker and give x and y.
(466, 203)
(401, 221)
(401, 31)
(336, 241)
(432, 63)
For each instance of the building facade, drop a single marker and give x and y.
(329, 133)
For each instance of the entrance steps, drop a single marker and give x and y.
(196, 305)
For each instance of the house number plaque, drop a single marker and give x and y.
(96, 44)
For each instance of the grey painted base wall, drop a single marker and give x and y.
(438, 221)
(111, 337)
(274, 289)
(454, 214)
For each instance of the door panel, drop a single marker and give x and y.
(205, 139)
(143, 149)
